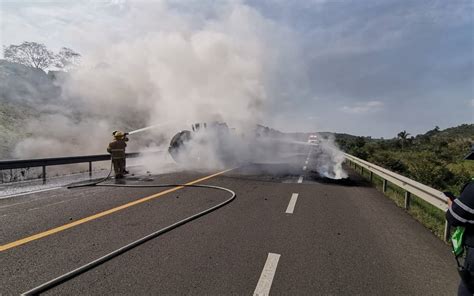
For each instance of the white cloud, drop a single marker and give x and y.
(472, 103)
(363, 107)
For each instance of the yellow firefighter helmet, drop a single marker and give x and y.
(118, 135)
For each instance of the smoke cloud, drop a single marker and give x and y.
(151, 63)
(328, 159)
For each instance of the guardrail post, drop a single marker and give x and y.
(447, 230)
(90, 169)
(384, 186)
(407, 199)
(371, 176)
(44, 174)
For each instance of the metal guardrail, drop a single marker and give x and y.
(426, 193)
(45, 162)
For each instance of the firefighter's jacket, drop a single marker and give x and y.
(117, 148)
(461, 213)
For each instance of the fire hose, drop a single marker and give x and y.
(76, 272)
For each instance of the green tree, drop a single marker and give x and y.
(389, 160)
(403, 136)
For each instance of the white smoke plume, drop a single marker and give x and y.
(328, 159)
(162, 66)
(151, 63)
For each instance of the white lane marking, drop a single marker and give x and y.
(291, 205)
(304, 168)
(3, 216)
(300, 179)
(26, 193)
(266, 278)
(306, 162)
(28, 201)
(56, 203)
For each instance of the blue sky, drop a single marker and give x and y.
(362, 67)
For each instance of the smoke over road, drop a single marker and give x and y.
(153, 64)
(156, 64)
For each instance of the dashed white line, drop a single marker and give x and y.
(306, 162)
(3, 216)
(304, 168)
(300, 179)
(266, 278)
(291, 205)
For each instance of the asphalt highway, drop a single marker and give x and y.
(288, 232)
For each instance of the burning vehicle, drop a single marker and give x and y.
(215, 145)
(203, 141)
(215, 142)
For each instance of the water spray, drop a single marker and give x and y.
(148, 128)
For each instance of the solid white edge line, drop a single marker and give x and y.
(29, 192)
(300, 179)
(291, 205)
(266, 278)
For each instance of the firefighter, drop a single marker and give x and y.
(461, 215)
(117, 149)
(125, 172)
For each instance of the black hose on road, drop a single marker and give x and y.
(67, 276)
(95, 182)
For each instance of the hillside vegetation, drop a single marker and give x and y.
(12, 126)
(22, 90)
(434, 158)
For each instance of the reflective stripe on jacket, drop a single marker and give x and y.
(461, 213)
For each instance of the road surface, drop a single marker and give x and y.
(288, 232)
